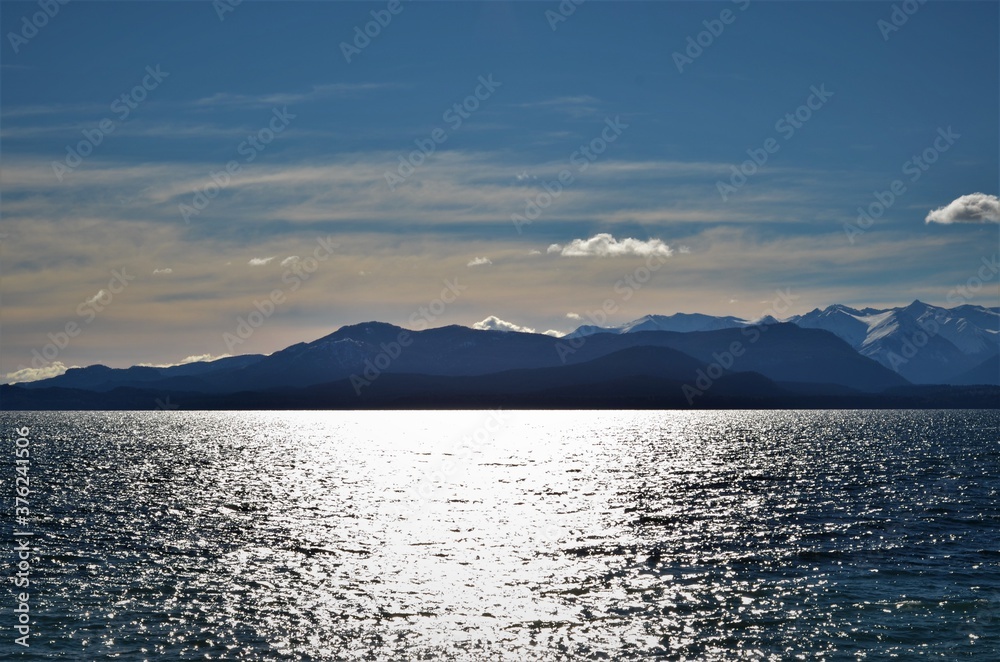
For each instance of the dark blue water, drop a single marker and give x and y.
(518, 535)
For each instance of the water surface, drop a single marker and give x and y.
(513, 535)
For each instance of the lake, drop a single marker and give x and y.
(520, 535)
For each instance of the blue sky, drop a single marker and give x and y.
(344, 125)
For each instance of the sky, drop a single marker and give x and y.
(176, 173)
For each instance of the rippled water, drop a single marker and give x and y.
(518, 535)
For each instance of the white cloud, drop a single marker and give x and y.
(34, 374)
(605, 245)
(972, 208)
(291, 259)
(168, 270)
(573, 316)
(282, 98)
(203, 357)
(479, 261)
(684, 250)
(494, 323)
(259, 261)
(534, 252)
(196, 358)
(100, 295)
(554, 334)
(575, 106)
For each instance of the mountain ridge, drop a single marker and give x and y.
(923, 343)
(826, 350)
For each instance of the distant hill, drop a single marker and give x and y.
(987, 372)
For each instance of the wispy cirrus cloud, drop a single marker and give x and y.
(41, 110)
(455, 188)
(576, 106)
(316, 92)
(94, 111)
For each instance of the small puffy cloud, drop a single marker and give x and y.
(479, 262)
(605, 245)
(494, 323)
(554, 334)
(168, 270)
(101, 294)
(291, 259)
(259, 261)
(534, 252)
(34, 374)
(684, 250)
(972, 208)
(573, 316)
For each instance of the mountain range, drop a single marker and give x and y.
(923, 343)
(913, 356)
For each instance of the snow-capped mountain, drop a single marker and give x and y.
(847, 323)
(646, 362)
(680, 322)
(924, 343)
(684, 322)
(909, 341)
